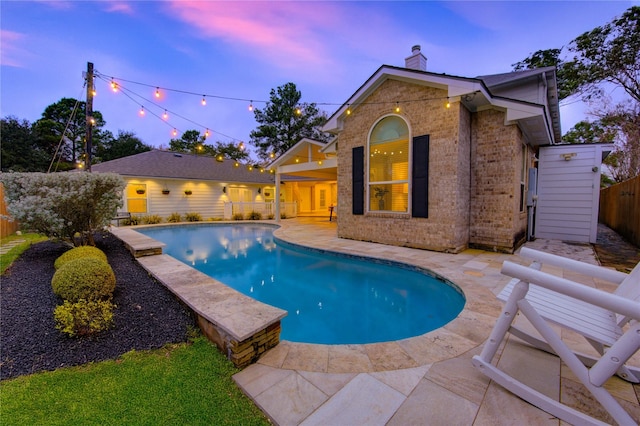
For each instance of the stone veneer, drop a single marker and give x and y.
(474, 174)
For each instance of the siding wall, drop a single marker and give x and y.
(568, 193)
(207, 198)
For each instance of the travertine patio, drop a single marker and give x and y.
(426, 379)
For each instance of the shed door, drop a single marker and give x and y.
(568, 192)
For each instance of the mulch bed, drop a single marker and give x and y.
(147, 315)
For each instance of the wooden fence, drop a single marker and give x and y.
(7, 227)
(620, 209)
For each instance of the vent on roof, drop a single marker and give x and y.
(177, 155)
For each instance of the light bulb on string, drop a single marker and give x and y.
(298, 111)
(448, 104)
(174, 132)
(241, 146)
(272, 154)
(157, 92)
(204, 101)
(348, 110)
(141, 111)
(397, 107)
(250, 106)
(206, 133)
(165, 116)
(114, 85)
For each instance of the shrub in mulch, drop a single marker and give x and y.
(147, 316)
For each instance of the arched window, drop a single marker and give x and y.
(389, 165)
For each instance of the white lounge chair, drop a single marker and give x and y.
(609, 321)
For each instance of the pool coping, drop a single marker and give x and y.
(464, 333)
(242, 327)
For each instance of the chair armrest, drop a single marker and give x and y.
(581, 267)
(609, 301)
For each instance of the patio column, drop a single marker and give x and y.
(277, 196)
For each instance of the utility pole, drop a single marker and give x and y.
(89, 116)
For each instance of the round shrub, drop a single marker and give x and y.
(88, 278)
(84, 317)
(80, 253)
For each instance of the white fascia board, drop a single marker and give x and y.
(517, 111)
(329, 163)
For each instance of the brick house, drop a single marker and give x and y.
(436, 161)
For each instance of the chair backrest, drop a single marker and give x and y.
(629, 288)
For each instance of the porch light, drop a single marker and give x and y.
(219, 158)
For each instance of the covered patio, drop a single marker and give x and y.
(311, 166)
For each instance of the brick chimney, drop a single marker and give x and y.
(417, 60)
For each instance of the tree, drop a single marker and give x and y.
(230, 150)
(610, 53)
(69, 206)
(21, 149)
(191, 142)
(606, 55)
(124, 145)
(66, 120)
(285, 121)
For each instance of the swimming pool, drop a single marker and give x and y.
(330, 298)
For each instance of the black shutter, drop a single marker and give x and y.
(357, 180)
(420, 176)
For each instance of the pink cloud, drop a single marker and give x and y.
(119, 7)
(12, 54)
(287, 33)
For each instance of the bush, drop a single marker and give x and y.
(84, 317)
(254, 216)
(283, 215)
(61, 205)
(151, 219)
(192, 217)
(87, 278)
(174, 218)
(238, 216)
(80, 253)
(271, 216)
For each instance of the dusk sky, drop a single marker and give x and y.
(236, 52)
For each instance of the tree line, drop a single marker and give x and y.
(56, 142)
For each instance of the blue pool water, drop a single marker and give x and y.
(330, 299)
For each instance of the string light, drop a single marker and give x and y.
(348, 110)
(272, 155)
(397, 107)
(204, 101)
(114, 86)
(236, 164)
(448, 105)
(206, 134)
(298, 111)
(165, 116)
(250, 106)
(174, 132)
(141, 111)
(241, 146)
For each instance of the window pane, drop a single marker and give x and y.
(389, 165)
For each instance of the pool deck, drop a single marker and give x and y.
(427, 379)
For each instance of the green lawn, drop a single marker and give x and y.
(184, 384)
(8, 258)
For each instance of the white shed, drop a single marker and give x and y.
(569, 191)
